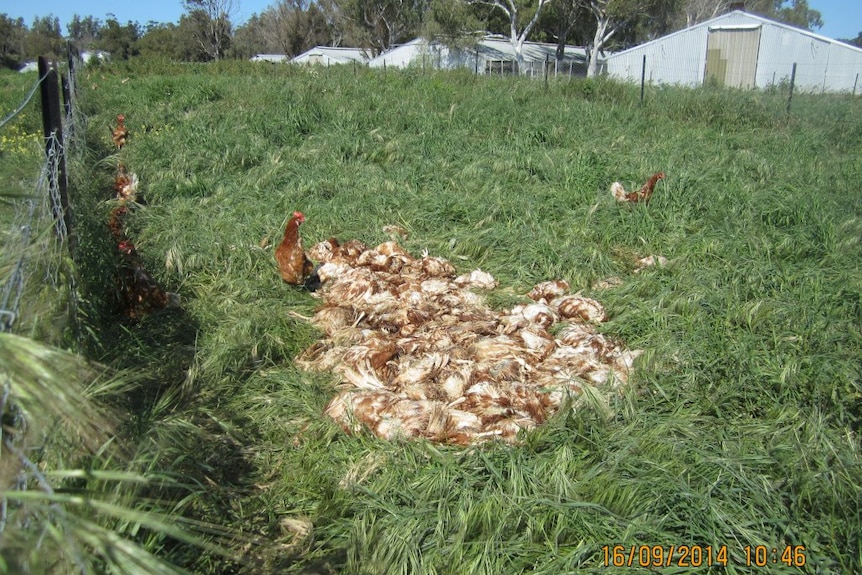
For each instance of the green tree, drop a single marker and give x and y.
(375, 24)
(696, 11)
(160, 41)
(453, 22)
(249, 39)
(522, 17)
(638, 20)
(121, 41)
(654, 18)
(794, 12)
(210, 24)
(190, 38)
(799, 14)
(608, 17)
(44, 38)
(857, 41)
(83, 32)
(12, 37)
(564, 20)
(293, 26)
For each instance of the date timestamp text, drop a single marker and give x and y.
(700, 555)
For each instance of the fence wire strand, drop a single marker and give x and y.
(34, 214)
(33, 248)
(24, 103)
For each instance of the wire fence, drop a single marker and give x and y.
(670, 67)
(32, 254)
(38, 233)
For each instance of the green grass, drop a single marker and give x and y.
(740, 426)
(14, 89)
(21, 142)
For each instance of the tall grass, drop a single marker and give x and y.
(75, 497)
(740, 427)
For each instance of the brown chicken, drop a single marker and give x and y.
(120, 133)
(642, 195)
(295, 267)
(126, 185)
(139, 293)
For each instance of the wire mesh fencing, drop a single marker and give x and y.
(33, 277)
(38, 233)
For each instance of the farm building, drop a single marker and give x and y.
(271, 58)
(490, 55)
(742, 50)
(326, 55)
(94, 56)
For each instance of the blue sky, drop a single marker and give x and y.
(842, 18)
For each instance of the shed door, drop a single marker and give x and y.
(731, 56)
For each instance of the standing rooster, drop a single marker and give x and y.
(294, 265)
(642, 195)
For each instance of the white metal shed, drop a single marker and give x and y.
(742, 50)
(271, 58)
(326, 55)
(490, 55)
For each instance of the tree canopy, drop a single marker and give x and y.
(857, 41)
(206, 30)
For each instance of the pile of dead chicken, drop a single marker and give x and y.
(139, 294)
(420, 354)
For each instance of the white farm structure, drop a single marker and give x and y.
(327, 55)
(489, 55)
(271, 58)
(742, 50)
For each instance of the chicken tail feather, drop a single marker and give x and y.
(313, 282)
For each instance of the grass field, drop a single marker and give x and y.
(20, 138)
(740, 426)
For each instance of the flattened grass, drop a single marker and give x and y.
(740, 427)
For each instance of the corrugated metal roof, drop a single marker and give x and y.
(790, 28)
(269, 58)
(736, 27)
(332, 55)
(488, 49)
(680, 58)
(738, 14)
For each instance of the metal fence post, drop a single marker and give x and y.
(546, 72)
(54, 150)
(792, 82)
(643, 78)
